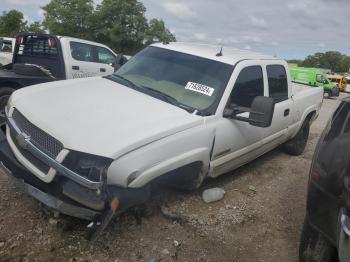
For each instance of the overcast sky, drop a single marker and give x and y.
(286, 28)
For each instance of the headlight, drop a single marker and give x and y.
(89, 166)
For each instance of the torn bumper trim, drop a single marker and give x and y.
(34, 186)
(56, 204)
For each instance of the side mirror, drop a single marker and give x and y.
(260, 112)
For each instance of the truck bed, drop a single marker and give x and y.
(298, 88)
(8, 76)
(306, 99)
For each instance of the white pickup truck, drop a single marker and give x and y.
(7, 47)
(40, 58)
(175, 113)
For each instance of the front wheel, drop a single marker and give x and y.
(5, 93)
(314, 247)
(297, 144)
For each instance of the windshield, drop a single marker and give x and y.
(191, 81)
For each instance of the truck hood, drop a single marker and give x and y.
(99, 116)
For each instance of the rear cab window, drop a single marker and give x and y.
(278, 82)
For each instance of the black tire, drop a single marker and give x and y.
(314, 247)
(5, 93)
(297, 144)
(185, 178)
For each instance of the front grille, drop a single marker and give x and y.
(46, 143)
(31, 158)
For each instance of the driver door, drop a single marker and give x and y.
(237, 142)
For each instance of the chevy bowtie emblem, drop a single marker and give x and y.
(22, 140)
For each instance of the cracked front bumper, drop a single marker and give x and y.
(39, 189)
(66, 196)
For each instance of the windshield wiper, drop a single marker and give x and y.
(170, 99)
(159, 94)
(129, 83)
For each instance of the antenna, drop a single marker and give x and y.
(220, 53)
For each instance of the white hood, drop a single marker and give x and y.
(99, 116)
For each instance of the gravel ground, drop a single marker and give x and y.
(259, 219)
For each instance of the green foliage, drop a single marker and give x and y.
(333, 60)
(121, 24)
(157, 32)
(295, 61)
(69, 17)
(35, 27)
(11, 23)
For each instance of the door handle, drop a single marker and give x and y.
(102, 69)
(75, 67)
(286, 112)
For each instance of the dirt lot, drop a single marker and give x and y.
(247, 225)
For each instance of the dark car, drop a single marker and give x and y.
(326, 231)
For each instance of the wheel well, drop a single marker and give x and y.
(310, 115)
(185, 177)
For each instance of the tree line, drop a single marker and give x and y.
(333, 60)
(119, 24)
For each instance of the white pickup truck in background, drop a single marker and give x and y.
(7, 47)
(40, 58)
(175, 113)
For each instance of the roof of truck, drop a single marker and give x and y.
(229, 55)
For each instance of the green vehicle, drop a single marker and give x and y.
(313, 77)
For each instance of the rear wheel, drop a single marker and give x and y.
(5, 93)
(297, 144)
(314, 247)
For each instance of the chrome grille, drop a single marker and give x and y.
(31, 158)
(38, 137)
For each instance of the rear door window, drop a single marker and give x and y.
(249, 84)
(278, 83)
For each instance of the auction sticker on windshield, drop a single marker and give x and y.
(206, 90)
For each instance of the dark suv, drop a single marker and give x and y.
(326, 230)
